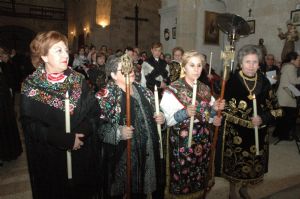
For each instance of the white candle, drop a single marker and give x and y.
(192, 118)
(67, 113)
(210, 60)
(158, 125)
(68, 130)
(255, 127)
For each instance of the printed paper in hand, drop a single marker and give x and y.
(271, 76)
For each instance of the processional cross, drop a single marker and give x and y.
(136, 20)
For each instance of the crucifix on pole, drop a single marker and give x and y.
(136, 20)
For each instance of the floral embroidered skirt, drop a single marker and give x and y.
(188, 166)
(240, 164)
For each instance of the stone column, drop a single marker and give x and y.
(186, 24)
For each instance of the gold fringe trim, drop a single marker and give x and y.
(239, 121)
(196, 195)
(277, 113)
(247, 181)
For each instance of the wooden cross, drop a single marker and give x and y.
(249, 11)
(136, 20)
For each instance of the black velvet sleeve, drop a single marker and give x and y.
(271, 110)
(150, 79)
(37, 131)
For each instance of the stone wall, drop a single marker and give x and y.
(33, 25)
(120, 32)
(268, 15)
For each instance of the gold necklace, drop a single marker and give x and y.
(250, 96)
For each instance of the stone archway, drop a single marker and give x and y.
(16, 37)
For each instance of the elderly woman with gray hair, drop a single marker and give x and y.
(145, 160)
(240, 162)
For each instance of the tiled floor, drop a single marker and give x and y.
(282, 181)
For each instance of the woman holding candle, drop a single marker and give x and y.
(246, 90)
(146, 176)
(45, 123)
(187, 166)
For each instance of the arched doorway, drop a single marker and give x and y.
(16, 37)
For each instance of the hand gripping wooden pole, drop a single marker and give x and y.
(127, 68)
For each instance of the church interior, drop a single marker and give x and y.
(190, 24)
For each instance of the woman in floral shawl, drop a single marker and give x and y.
(43, 120)
(145, 160)
(187, 172)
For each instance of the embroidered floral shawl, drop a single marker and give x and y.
(109, 100)
(184, 92)
(38, 88)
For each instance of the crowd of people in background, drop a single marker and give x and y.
(94, 79)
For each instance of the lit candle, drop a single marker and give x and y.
(210, 60)
(255, 127)
(68, 130)
(192, 118)
(158, 125)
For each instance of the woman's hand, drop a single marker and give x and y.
(219, 105)
(210, 77)
(78, 143)
(160, 118)
(256, 121)
(217, 120)
(126, 132)
(191, 110)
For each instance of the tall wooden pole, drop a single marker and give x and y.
(127, 68)
(128, 123)
(228, 57)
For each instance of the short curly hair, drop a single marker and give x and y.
(111, 65)
(247, 50)
(41, 44)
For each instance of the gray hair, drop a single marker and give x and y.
(247, 50)
(112, 64)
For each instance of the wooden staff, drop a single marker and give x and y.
(228, 57)
(127, 68)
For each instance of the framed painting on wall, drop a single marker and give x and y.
(174, 32)
(252, 26)
(295, 17)
(211, 30)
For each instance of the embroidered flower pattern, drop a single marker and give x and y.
(109, 101)
(53, 94)
(185, 180)
(32, 92)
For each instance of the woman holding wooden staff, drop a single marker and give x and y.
(247, 93)
(187, 166)
(146, 178)
(45, 122)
